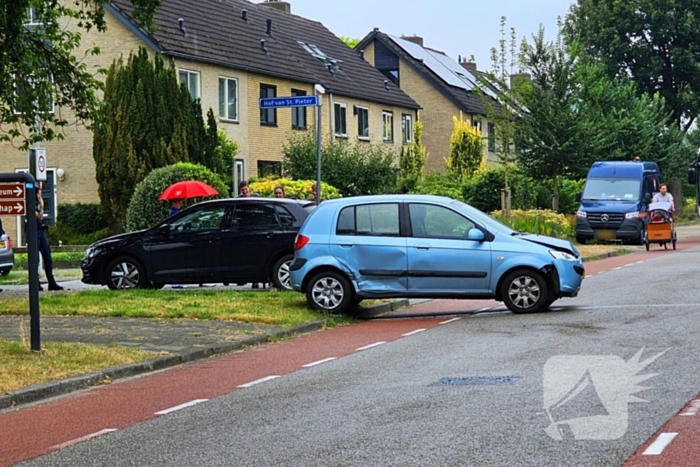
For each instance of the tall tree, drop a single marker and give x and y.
(655, 43)
(466, 150)
(39, 69)
(412, 160)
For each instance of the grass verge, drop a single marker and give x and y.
(21, 367)
(280, 309)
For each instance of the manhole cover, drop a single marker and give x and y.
(476, 381)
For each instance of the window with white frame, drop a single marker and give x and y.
(387, 126)
(406, 128)
(33, 15)
(45, 103)
(191, 80)
(340, 112)
(228, 98)
(362, 122)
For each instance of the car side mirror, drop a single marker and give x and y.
(164, 230)
(692, 175)
(647, 198)
(476, 235)
(578, 197)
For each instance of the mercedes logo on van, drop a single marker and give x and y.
(605, 218)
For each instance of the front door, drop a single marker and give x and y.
(188, 248)
(369, 243)
(440, 257)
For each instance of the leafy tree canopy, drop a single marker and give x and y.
(40, 70)
(349, 41)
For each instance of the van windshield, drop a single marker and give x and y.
(613, 189)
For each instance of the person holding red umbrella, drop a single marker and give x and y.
(175, 206)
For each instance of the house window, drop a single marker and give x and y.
(298, 113)
(228, 99)
(387, 126)
(341, 119)
(268, 116)
(191, 80)
(45, 103)
(406, 128)
(492, 137)
(33, 16)
(269, 169)
(362, 122)
(476, 124)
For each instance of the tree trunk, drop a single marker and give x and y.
(555, 194)
(676, 189)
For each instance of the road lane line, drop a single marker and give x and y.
(639, 262)
(308, 365)
(371, 345)
(181, 406)
(258, 381)
(693, 409)
(450, 320)
(83, 438)
(413, 332)
(615, 269)
(658, 446)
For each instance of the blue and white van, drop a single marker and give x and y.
(613, 197)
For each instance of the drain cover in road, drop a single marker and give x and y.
(476, 381)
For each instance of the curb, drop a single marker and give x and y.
(59, 387)
(367, 312)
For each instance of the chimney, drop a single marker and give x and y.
(278, 5)
(468, 65)
(244, 15)
(518, 79)
(416, 39)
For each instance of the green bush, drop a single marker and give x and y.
(484, 190)
(144, 208)
(302, 189)
(82, 218)
(567, 195)
(63, 234)
(438, 184)
(539, 221)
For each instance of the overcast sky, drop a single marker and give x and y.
(456, 27)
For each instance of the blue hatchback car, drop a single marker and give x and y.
(420, 246)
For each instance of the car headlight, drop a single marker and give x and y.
(90, 252)
(632, 215)
(581, 214)
(562, 255)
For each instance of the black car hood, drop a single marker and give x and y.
(120, 238)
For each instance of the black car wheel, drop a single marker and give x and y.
(524, 291)
(280, 273)
(125, 273)
(4, 272)
(330, 292)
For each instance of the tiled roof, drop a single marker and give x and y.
(445, 73)
(216, 33)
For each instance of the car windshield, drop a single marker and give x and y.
(483, 218)
(621, 189)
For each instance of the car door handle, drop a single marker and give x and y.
(422, 246)
(346, 245)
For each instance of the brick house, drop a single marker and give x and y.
(442, 86)
(230, 53)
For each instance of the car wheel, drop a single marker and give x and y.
(330, 292)
(280, 273)
(524, 291)
(4, 272)
(580, 240)
(125, 273)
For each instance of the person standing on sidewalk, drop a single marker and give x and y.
(43, 243)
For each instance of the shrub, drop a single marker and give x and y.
(567, 195)
(299, 188)
(539, 221)
(82, 218)
(484, 190)
(144, 208)
(438, 184)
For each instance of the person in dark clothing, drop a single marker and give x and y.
(43, 243)
(175, 206)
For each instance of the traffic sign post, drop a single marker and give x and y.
(24, 184)
(12, 199)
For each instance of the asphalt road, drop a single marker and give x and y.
(380, 406)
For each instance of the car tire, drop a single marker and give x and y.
(4, 272)
(280, 273)
(329, 292)
(524, 291)
(125, 273)
(580, 240)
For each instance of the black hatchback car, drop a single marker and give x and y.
(237, 240)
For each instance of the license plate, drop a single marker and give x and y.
(605, 234)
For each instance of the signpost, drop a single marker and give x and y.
(12, 199)
(303, 101)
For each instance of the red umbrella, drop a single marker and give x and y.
(187, 189)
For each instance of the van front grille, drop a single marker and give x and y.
(605, 219)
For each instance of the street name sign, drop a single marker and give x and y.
(292, 101)
(12, 199)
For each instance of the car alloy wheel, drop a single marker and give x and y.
(524, 291)
(329, 292)
(125, 273)
(281, 278)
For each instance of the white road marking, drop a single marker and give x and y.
(639, 262)
(693, 409)
(371, 345)
(413, 332)
(615, 269)
(485, 309)
(639, 305)
(258, 381)
(83, 438)
(658, 446)
(631, 264)
(308, 365)
(181, 406)
(450, 320)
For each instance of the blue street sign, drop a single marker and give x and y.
(292, 101)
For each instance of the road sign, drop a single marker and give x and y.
(41, 164)
(292, 101)
(12, 199)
